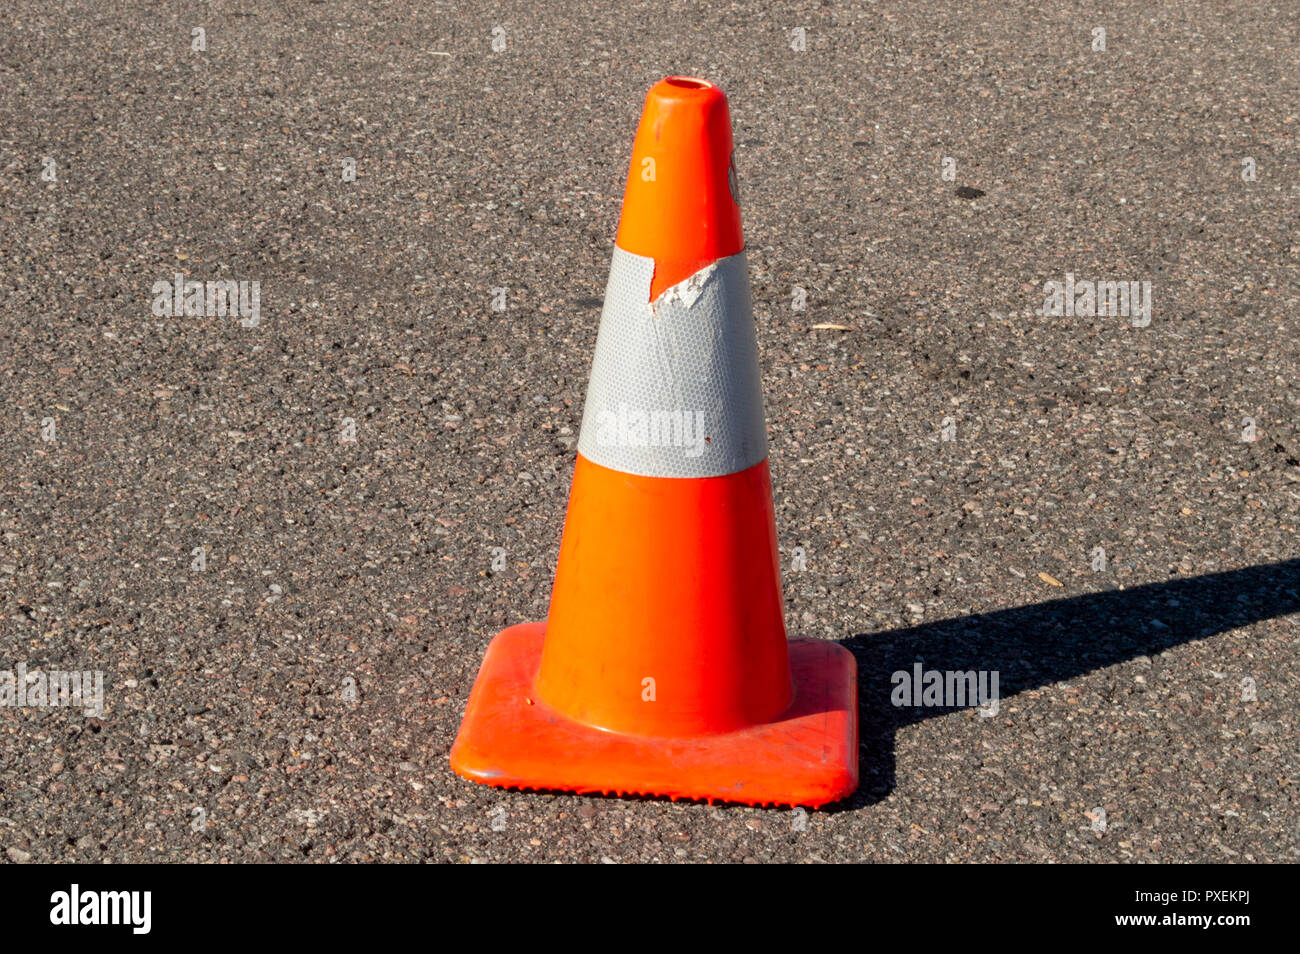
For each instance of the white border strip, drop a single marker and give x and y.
(675, 388)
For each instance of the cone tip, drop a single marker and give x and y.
(698, 96)
(680, 206)
(685, 87)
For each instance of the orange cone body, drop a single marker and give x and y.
(684, 572)
(663, 667)
(680, 206)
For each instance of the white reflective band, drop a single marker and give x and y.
(675, 389)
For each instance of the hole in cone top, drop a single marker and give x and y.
(679, 207)
(688, 82)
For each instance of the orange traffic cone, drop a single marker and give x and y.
(663, 667)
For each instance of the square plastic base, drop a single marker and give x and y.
(809, 756)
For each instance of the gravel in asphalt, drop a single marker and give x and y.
(289, 621)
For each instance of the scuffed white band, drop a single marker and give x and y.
(675, 388)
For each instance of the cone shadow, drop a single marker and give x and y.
(1033, 646)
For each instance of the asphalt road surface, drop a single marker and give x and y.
(1101, 509)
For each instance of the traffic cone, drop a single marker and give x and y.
(663, 667)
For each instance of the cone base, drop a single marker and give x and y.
(809, 756)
